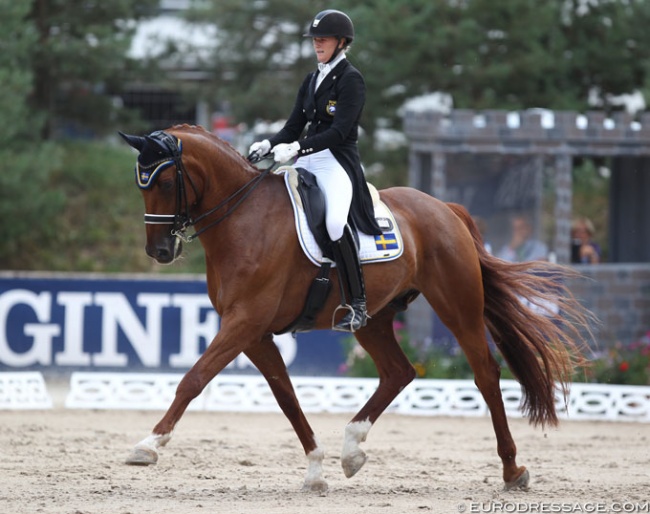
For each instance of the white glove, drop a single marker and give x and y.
(285, 152)
(260, 148)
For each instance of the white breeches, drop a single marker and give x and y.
(336, 186)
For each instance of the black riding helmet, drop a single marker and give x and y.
(331, 23)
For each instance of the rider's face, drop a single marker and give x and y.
(324, 47)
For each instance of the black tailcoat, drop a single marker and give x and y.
(333, 112)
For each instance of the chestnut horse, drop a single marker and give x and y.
(258, 276)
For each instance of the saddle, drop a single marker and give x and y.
(313, 203)
(308, 203)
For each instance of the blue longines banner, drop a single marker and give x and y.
(118, 323)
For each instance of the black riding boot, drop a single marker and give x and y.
(347, 261)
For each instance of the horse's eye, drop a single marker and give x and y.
(166, 185)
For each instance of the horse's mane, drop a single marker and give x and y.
(224, 146)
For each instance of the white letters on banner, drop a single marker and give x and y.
(198, 321)
(41, 332)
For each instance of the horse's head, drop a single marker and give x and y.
(175, 197)
(168, 192)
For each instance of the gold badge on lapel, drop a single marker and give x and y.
(331, 107)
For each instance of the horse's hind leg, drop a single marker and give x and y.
(461, 310)
(395, 373)
(266, 357)
(486, 376)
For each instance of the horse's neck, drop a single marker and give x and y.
(226, 174)
(228, 181)
(222, 166)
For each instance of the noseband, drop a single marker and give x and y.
(182, 219)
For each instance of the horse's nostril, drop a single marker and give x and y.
(163, 255)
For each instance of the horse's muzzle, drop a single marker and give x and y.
(166, 251)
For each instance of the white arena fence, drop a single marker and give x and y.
(24, 390)
(250, 393)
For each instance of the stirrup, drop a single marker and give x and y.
(350, 325)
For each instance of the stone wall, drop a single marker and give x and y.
(617, 294)
(529, 132)
(557, 137)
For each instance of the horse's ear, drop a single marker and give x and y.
(155, 143)
(136, 142)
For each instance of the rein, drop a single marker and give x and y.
(245, 191)
(182, 220)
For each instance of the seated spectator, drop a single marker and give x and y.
(584, 250)
(523, 246)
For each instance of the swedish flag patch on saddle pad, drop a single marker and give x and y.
(386, 247)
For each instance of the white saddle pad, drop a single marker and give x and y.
(386, 247)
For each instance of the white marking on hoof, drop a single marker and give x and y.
(314, 481)
(141, 456)
(519, 483)
(145, 452)
(352, 457)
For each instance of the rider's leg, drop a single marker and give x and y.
(337, 188)
(346, 256)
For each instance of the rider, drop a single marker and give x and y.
(331, 101)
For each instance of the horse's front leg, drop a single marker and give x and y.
(222, 350)
(266, 357)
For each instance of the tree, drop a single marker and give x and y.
(261, 55)
(80, 57)
(487, 55)
(27, 205)
(57, 60)
(504, 55)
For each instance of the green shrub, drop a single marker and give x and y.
(627, 364)
(622, 364)
(428, 362)
(94, 222)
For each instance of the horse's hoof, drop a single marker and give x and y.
(142, 456)
(353, 463)
(315, 486)
(518, 483)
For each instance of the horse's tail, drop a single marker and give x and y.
(536, 323)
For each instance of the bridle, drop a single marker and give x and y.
(145, 179)
(181, 220)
